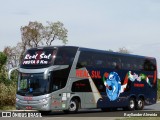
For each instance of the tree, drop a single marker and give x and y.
(32, 34)
(36, 34)
(54, 31)
(13, 54)
(3, 59)
(124, 50)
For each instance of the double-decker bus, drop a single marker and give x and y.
(69, 78)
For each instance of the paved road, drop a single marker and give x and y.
(96, 114)
(153, 107)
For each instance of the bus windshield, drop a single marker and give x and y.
(32, 84)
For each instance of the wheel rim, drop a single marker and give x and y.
(72, 106)
(140, 104)
(132, 104)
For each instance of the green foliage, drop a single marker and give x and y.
(8, 107)
(3, 59)
(23, 84)
(7, 94)
(7, 88)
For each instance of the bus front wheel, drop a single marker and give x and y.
(73, 106)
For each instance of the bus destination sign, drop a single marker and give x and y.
(37, 58)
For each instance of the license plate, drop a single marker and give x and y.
(29, 108)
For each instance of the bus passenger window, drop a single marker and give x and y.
(148, 65)
(114, 64)
(81, 86)
(84, 60)
(134, 66)
(55, 87)
(65, 56)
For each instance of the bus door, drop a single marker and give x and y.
(92, 94)
(59, 95)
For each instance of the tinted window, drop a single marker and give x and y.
(85, 59)
(65, 56)
(115, 61)
(38, 58)
(59, 79)
(99, 60)
(91, 59)
(149, 65)
(81, 86)
(100, 85)
(131, 63)
(33, 84)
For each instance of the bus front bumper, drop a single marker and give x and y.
(42, 104)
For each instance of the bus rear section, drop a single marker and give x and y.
(117, 80)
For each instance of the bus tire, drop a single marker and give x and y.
(131, 104)
(73, 106)
(140, 104)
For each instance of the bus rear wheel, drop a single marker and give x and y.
(73, 106)
(140, 104)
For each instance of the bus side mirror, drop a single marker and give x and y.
(47, 71)
(10, 71)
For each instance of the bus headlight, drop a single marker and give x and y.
(43, 100)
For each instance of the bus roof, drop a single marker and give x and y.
(114, 53)
(93, 50)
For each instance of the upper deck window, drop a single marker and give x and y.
(41, 58)
(65, 56)
(38, 58)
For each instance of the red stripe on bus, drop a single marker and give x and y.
(155, 77)
(126, 79)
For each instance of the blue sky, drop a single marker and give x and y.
(100, 24)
